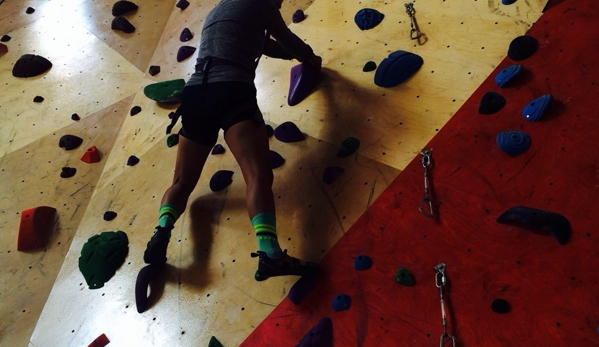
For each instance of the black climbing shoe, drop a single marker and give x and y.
(285, 266)
(155, 253)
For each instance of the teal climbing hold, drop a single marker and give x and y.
(404, 277)
(172, 140)
(214, 342)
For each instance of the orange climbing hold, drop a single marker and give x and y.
(100, 341)
(91, 155)
(36, 227)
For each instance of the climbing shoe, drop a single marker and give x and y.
(155, 252)
(285, 266)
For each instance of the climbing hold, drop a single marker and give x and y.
(3, 48)
(185, 52)
(75, 116)
(404, 277)
(214, 342)
(70, 142)
(397, 68)
(101, 256)
(556, 224)
(507, 2)
(269, 130)
(276, 159)
(135, 110)
(221, 180)
(369, 66)
(109, 215)
(500, 306)
(123, 6)
(186, 35)
(341, 302)
(321, 335)
(362, 262)
(166, 91)
(536, 108)
(491, 103)
(288, 132)
(154, 70)
(122, 24)
(100, 341)
(301, 289)
(91, 155)
(303, 79)
(298, 16)
(5, 38)
(522, 47)
(35, 228)
(218, 149)
(507, 74)
(182, 4)
(332, 173)
(132, 161)
(30, 10)
(348, 147)
(30, 65)
(68, 172)
(368, 18)
(513, 142)
(172, 140)
(38, 99)
(145, 276)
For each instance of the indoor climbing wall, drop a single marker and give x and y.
(208, 288)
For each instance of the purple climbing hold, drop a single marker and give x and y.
(30, 10)
(341, 302)
(186, 35)
(301, 289)
(145, 277)
(276, 159)
(185, 52)
(135, 110)
(154, 70)
(362, 262)
(218, 149)
(304, 78)
(221, 180)
(123, 6)
(38, 99)
(182, 4)
(75, 116)
(70, 142)
(321, 335)
(288, 132)
(30, 65)
(109, 215)
(122, 24)
(298, 16)
(332, 173)
(171, 115)
(5, 38)
(132, 161)
(68, 172)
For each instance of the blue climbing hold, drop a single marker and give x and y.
(368, 18)
(507, 2)
(362, 262)
(535, 109)
(507, 74)
(397, 68)
(341, 302)
(513, 142)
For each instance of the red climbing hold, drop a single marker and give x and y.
(36, 226)
(91, 155)
(3, 48)
(100, 341)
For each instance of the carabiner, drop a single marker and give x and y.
(445, 337)
(426, 201)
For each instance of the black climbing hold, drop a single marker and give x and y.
(362, 262)
(348, 147)
(276, 159)
(75, 116)
(369, 66)
(536, 108)
(513, 142)
(332, 173)
(68, 172)
(506, 75)
(397, 68)
(491, 103)
(109, 215)
(123, 6)
(269, 130)
(218, 149)
(182, 4)
(171, 115)
(122, 24)
(556, 224)
(368, 18)
(5, 38)
(507, 2)
(30, 65)
(30, 10)
(132, 161)
(101, 256)
(186, 35)
(38, 99)
(321, 335)
(154, 70)
(500, 306)
(135, 110)
(214, 342)
(70, 142)
(221, 180)
(522, 47)
(185, 52)
(298, 16)
(341, 302)
(301, 289)
(288, 132)
(404, 277)
(172, 140)
(145, 277)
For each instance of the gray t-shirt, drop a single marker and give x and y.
(235, 30)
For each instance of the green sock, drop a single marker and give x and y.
(168, 215)
(266, 232)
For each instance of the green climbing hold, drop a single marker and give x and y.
(214, 342)
(167, 91)
(404, 277)
(172, 140)
(269, 130)
(348, 147)
(101, 256)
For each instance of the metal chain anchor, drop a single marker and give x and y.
(415, 33)
(440, 280)
(426, 201)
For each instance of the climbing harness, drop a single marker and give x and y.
(426, 201)
(415, 33)
(440, 280)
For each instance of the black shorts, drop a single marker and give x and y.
(207, 108)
